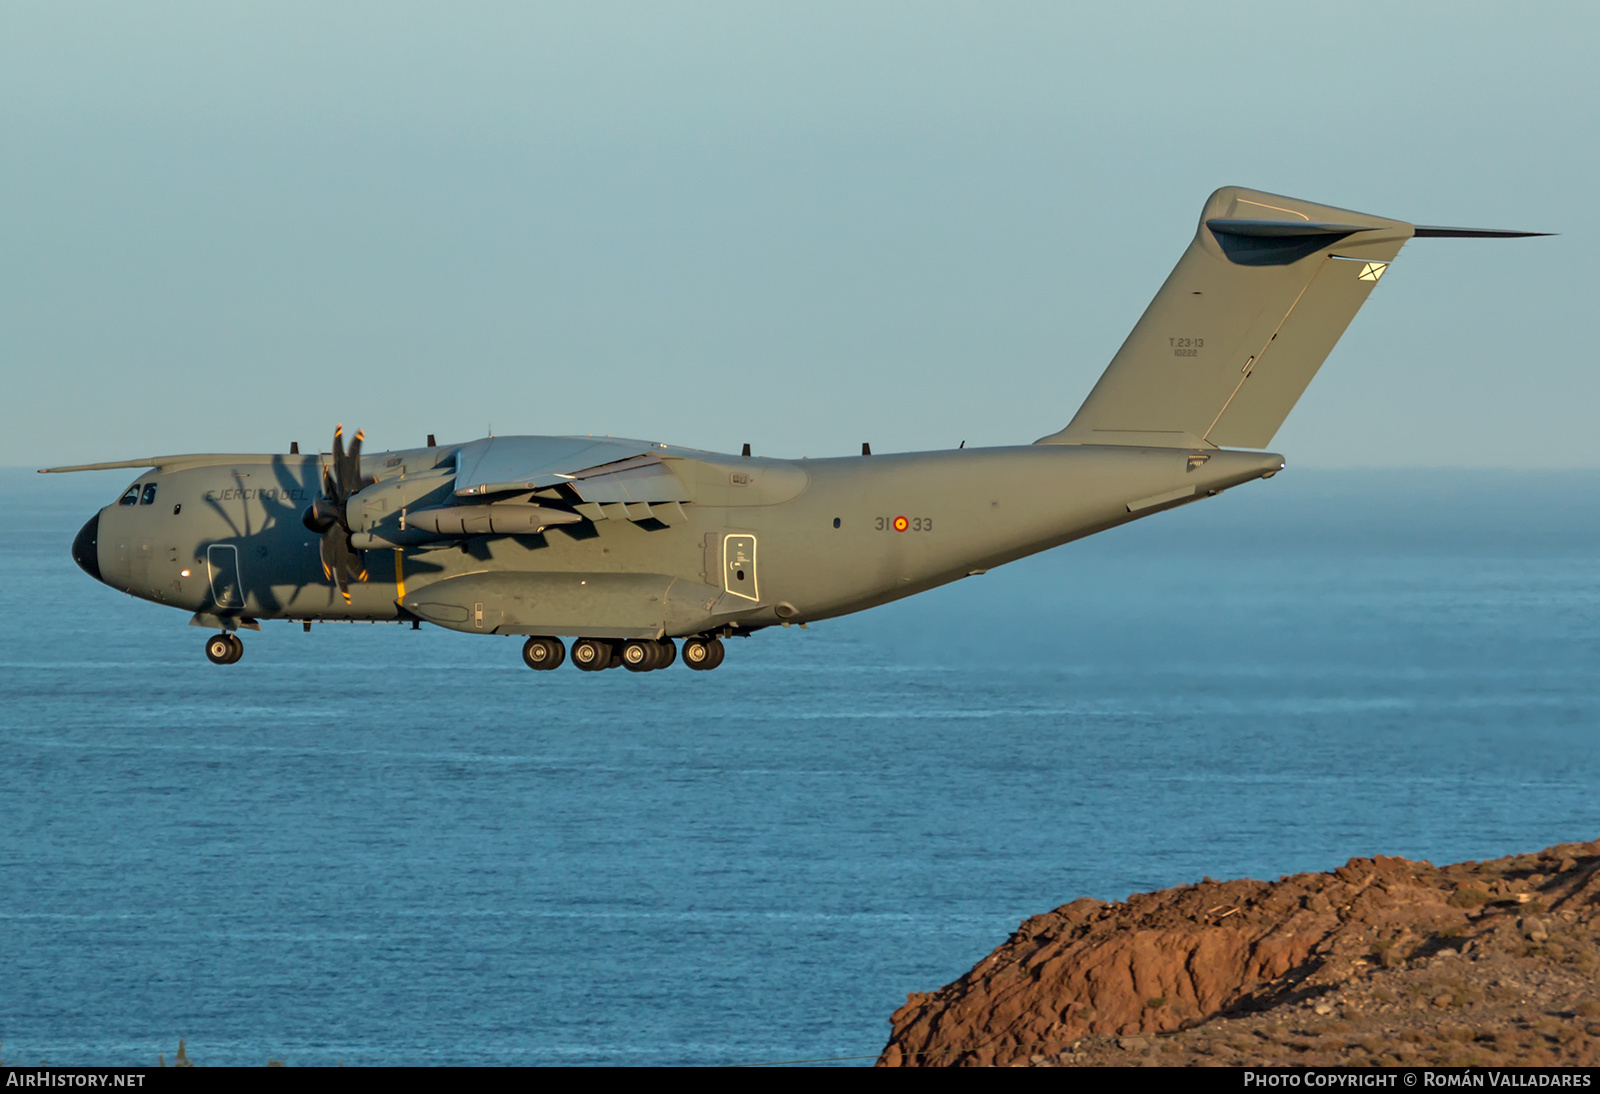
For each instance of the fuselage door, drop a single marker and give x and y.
(739, 566)
(222, 559)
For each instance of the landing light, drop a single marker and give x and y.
(183, 573)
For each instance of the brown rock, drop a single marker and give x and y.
(1162, 962)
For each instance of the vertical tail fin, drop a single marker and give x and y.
(1241, 326)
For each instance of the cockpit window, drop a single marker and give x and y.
(131, 497)
(149, 494)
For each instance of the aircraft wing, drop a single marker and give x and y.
(167, 463)
(601, 470)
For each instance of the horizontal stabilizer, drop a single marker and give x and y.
(1249, 242)
(1240, 226)
(1432, 231)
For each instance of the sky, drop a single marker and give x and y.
(801, 226)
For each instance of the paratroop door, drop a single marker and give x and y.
(222, 559)
(739, 566)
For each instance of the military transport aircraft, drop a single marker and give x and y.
(627, 545)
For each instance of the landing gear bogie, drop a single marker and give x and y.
(224, 649)
(700, 652)
(593, 654)
(543, 654)
(640, 655)
(703, 653)
(646, 655)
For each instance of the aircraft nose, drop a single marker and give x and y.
(86, 548)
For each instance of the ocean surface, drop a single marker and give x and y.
(378, 846)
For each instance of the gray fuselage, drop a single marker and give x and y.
(760, 541)
(609, 539)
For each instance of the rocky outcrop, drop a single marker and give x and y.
(1178, 959)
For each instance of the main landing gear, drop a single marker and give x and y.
(636, 654)
(224, 649)
(543, 654)
(703, 653)
(594, 654)
(643, 654)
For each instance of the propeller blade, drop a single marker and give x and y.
(341, 563)
(352, 472)
(330, 515)
(337, 494)
(328, 549)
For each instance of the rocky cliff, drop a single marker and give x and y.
(1382, 961)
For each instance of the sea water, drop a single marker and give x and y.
(377, 846)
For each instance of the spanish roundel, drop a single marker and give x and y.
(901, 524)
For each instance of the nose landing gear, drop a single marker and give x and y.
(224, 649)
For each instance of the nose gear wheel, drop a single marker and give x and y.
(224, 649)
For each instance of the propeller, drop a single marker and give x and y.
(329, 515)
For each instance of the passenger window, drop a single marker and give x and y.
(131, 497)
(149, 494)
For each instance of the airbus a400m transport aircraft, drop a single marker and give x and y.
(628, 545)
